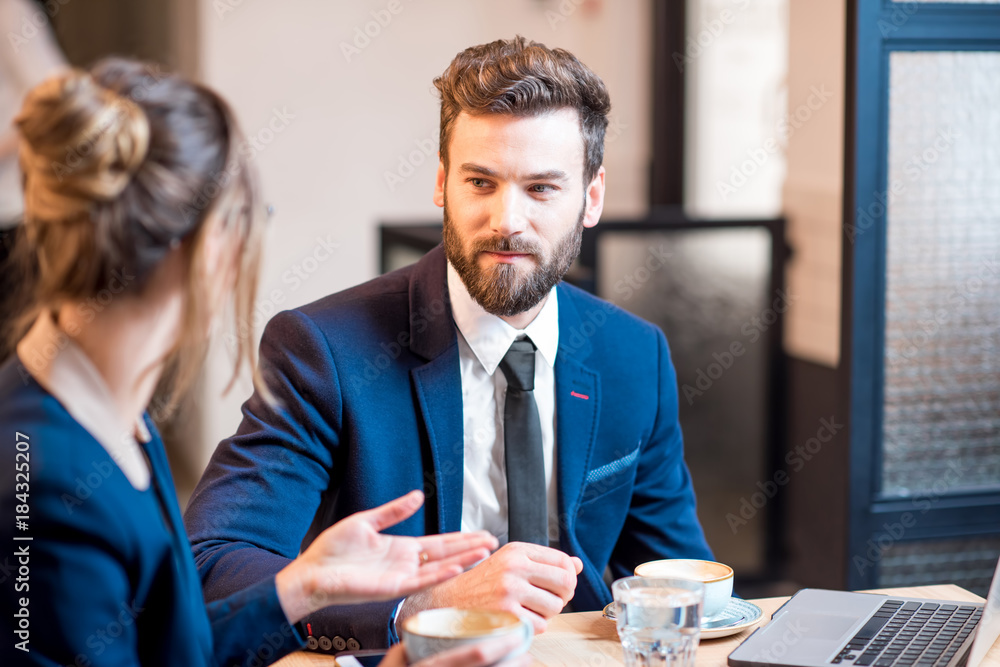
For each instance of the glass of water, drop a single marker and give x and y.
(659, 620)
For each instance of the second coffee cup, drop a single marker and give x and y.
(717, 578)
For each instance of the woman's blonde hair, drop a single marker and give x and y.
(122, 164)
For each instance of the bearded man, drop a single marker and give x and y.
(519, 404)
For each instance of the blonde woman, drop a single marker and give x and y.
(143, 222)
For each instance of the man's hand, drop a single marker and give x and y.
(352, 561)
(533, 581)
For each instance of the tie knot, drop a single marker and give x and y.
(518, 365)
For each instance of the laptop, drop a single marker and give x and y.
(820, 628)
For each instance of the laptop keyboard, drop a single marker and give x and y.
(910, 633)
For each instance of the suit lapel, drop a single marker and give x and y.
(577, 408)
(438, 386)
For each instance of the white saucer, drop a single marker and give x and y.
(738, 615)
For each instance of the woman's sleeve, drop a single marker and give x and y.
(249, 628)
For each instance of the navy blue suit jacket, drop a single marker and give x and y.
(106, 572)
(370, 396)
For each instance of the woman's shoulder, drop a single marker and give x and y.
(28, 413)
(95, 543)
(70, 478)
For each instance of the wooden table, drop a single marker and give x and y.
(587, 639)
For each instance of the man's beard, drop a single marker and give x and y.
(504, 289)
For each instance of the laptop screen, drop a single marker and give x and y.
(989, 625)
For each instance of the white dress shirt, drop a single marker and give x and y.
(62, 369)
(483, 340)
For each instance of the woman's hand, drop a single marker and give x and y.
(476, 655)
(352, 562)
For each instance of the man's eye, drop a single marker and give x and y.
(478, 182)
(541, 187)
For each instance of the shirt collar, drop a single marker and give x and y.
(62, 369)
(490, 337)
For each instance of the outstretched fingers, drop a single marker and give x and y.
(394, 511)
(439, 547)
(430, 575)
(439, 571)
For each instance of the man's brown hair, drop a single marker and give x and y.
(523, 78)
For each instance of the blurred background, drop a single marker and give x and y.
(820, 176)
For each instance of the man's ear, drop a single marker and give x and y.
(595, 200)
(439, 186)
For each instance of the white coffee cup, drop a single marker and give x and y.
(435, 630)
(717, 578)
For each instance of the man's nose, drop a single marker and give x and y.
(509, 214)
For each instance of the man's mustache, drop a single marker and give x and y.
(507, 244)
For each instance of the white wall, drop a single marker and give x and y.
(347, 120)
(735, 61)
(765, 137)
(814, 189)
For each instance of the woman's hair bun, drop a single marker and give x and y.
(81, 143)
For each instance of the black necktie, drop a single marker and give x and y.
(527, 511)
